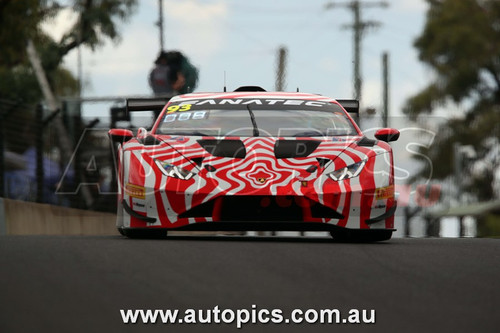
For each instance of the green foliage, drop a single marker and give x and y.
(179, 62)
(21, 20)
(97, 20)
(191, 74)
(489, 226)
(18, 84)
(474, 130)
(461, 43)
(425, 101)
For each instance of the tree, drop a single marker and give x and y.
(97, 21)
(460, 42)
(21, 20)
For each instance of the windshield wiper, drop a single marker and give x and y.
(189, 133)
(309, 134)
(254, 123)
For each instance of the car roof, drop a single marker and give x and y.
(252, 94)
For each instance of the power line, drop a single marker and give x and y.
(359, 27)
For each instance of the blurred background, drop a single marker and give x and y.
(430, 68)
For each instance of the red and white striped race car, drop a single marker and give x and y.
(255, 160)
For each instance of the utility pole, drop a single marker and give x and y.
(281, 69)
(385, 85)
(358, 27)
(160, 24)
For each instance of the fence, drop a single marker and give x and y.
(33, 167)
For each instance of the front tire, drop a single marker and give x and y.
(153, 233)
(361, 235)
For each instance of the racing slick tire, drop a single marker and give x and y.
(157, 233)
(361, 236)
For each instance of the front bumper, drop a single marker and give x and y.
(264, 212)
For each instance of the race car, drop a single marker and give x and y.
(254, 160)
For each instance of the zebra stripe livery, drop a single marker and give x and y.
(226, 182)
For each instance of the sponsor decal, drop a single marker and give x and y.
(384, 192)
(135, 191)
(180, 108)
(184, 106)
(260, 176)
(139, 205)
(380, 206)
(169, 118)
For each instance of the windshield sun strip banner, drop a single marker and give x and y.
(254, 103)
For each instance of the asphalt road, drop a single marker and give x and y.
(79, 284)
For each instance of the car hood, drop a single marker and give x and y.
(247, 165)
(197, 151)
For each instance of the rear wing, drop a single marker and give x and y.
(350, 105)
(146, 104)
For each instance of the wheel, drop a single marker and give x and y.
(156, 233)
(361, 236)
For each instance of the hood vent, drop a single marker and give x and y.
(294, 148)
(149, 140)
(323, 161)
(365, 142)
(224, 148)
(198, 161)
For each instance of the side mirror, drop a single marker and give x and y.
(119, 135)
(142, 133)
(387, 134)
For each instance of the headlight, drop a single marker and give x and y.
(174, 171)
(349, 171)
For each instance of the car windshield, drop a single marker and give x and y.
(323, 119)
